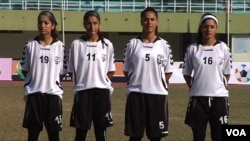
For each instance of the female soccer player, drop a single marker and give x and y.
(207, 68)
(91, 62)
(43, 64)
(148, 65)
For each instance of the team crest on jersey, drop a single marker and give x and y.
(57, 59)
(220, 60)
(104, 57)
(160, 59)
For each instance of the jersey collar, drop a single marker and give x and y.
(217, 42)
(85, 39)
(156, 39)
(37, 39)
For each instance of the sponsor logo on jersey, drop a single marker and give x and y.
(45, 48)
(210, 49)
(148, 46)
(91, 45)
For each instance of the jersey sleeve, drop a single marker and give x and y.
(25, 60)
(187, 64)
(227, 61)
(169, 60)
(65, 60)
(72, 57)
(111, 58)
(126, 57)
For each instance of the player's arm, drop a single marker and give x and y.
(24, 73)
(227, 76)
(111, 68)
(167, 76)
(64, 68)
(168, 65)
(188, 66)
(25, 61)
(72, 56)
(126, 75)
(126, 61)
(188, 80)
(228, 64)
(110, 74)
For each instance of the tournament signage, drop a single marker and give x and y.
(10, 70)
(240, 73)
(5, 68)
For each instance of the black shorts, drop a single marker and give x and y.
(43, 109)
(91, 105)
(146, 111)
(204, 110)
(200, 110)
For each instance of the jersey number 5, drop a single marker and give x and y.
(147, 57)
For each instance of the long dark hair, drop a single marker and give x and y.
(97, 15)
(150, 9)
(52, 18)
(202, 20)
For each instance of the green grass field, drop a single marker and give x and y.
(12, 109)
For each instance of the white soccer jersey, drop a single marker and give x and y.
(90, 62)
(146, 64)
(44, 64)
(207, 65)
